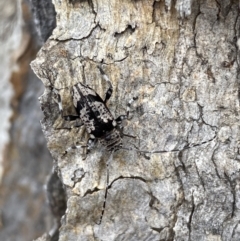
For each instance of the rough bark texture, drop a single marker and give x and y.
(185, 74)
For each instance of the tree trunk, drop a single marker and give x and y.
(182, 63)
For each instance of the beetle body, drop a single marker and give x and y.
(96, 117)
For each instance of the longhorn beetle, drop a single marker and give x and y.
(100, 124)
(95, 116)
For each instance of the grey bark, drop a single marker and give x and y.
(44, 17)
(183, 65)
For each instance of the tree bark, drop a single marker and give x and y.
(182, 63)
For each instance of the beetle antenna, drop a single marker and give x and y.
(162, 151)
(106, 189)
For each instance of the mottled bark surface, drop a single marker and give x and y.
(183, 65)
